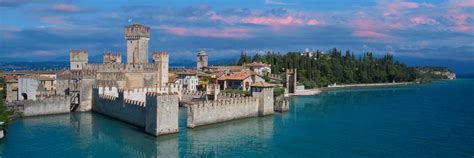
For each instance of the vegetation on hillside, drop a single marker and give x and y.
(3, 110)
(322, 69)
(427, 73)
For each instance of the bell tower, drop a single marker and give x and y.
(137, 36)
(201, 60)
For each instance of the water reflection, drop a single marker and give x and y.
(95, 135)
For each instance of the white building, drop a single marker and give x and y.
(190, 83)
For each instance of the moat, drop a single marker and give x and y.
(430, 120)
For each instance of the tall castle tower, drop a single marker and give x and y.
(201, 60)
(137, 36)
(161, 59)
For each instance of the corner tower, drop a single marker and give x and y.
(201, 60)
(137, 36)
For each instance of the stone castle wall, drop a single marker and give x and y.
(265, 101)
(281, 104)
(117, 107)
(162, 113)
(209, 112)
(45, 105)
(158, 114)
(230, 107)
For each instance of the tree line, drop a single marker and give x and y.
(320, 69)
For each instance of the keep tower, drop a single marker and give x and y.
(137, 36)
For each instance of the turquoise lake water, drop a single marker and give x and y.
(433, 120)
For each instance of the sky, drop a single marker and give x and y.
(420, 32)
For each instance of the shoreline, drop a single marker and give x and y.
(319, 91)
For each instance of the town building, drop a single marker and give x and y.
(260, 68)
(240, 81)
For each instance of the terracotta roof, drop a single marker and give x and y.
(235, 76)
(262, 84)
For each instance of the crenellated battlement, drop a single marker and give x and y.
(108, 97)
(112, 58)
(134, 102)
(136, 31)
(79, 55)
(121, 67)
(242, 100)
(160, 54)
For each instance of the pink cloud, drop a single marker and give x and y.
(463, 3)
(207, 32)
(369, 34)
(52, 19)
(420, 20)
(290, 20)
(66, 8)
(460, 20)
(365, 24)
(312, 22)
(395, 8)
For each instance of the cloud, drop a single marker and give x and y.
(397, 7)
(16, 3)
(53, 19)
(459, 19)
(66, 8)
(462, 3)
(273, 21)
(369, 34)
(312, 22)
(420, 20)
(207, 32)
(276, 2)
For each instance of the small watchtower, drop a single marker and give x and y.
(161, 59)
(112, 58)
(201, 60)
(77, 58)
(137, 37)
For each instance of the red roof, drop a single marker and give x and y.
(235, 76)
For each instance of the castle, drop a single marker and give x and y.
(137, 72)
(139, 92)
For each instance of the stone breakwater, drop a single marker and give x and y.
(369, 85)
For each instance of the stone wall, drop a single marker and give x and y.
(266, 102)
(281, 104)
(45, 106)
(209, 112)
(129, 111)
(162, 112)
(158, 114)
